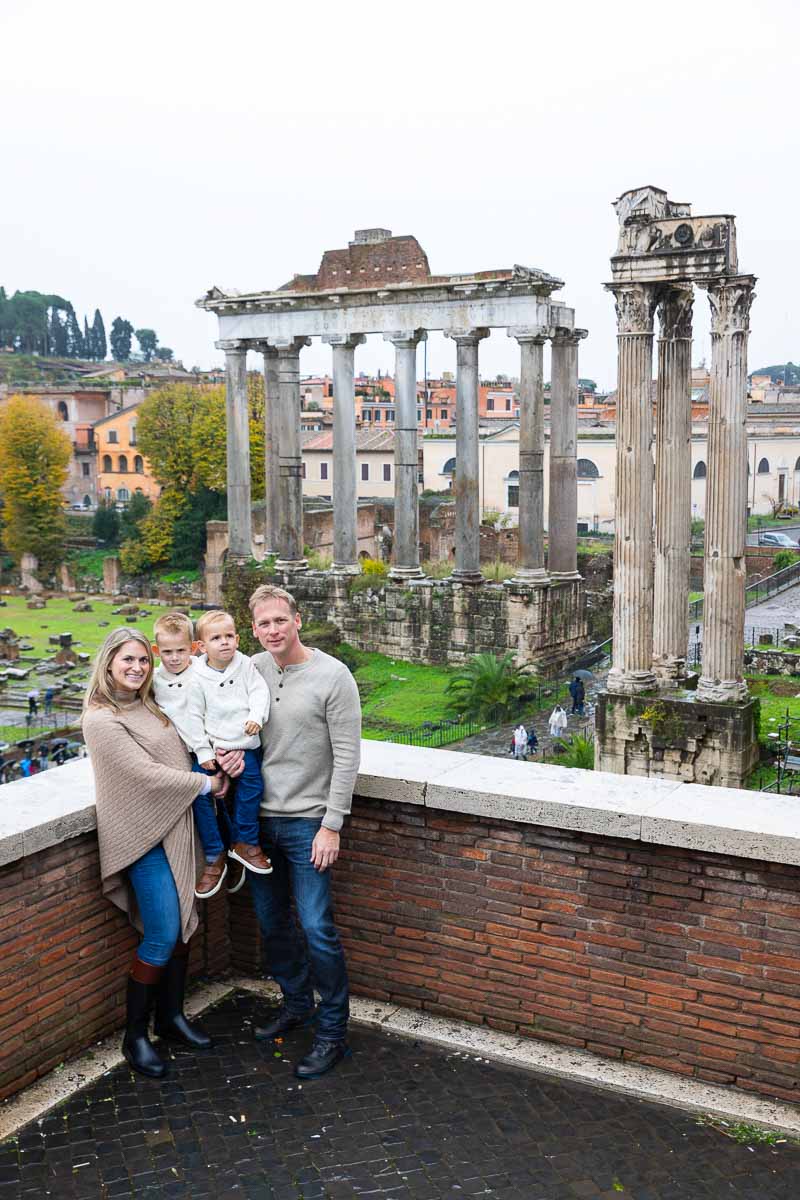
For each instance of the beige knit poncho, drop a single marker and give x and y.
(144, 790)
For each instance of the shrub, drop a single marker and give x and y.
(784, 558)
(578, 752)
(486, 684)
(374, 566)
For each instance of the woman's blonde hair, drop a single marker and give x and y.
(100, 689)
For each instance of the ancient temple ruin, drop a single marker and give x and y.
(383, 284)
(663, 252)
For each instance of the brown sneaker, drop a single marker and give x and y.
(211, 880)
(252, 857)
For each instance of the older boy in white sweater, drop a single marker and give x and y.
(228, 705)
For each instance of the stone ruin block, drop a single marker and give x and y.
(85, 606)
(66, 655)
(36, 604)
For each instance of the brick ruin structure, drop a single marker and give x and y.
(662, 254)
(382, 284)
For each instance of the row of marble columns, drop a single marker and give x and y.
(283, 460)
(652, 543)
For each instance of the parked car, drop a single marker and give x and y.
(778, 539)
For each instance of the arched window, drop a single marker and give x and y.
(449, 467)
(108, 493)
(699, 470)
(138, 465)
(512, 489)
(587, 469)
(123, 495)
(797, 465)
(123, 462)
(63, 411)
(763, 467)
(107, 463)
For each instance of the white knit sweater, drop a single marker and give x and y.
(171, 694)
(220, 705)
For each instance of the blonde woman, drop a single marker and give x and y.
(144, 791)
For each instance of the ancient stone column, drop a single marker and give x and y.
(345, 535)
(240, 536)
(290, 463)
(721, 679)
(467, 484)
(406, 458)
(673, 492)
(271, 453)
(562, 509)
(631, 671)
(530, 557)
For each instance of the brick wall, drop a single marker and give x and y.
(681, 960)
(64, 955)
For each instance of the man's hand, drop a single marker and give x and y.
(325, 848)
(231, 761)
(252, 727)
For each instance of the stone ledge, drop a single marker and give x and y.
(59, 804)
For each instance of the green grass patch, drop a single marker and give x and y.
(395, 695)
(188, 575)
(36, 625)
(693, 596)
(89, 562)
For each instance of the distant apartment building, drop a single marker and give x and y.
(374, 464)
(121, 469)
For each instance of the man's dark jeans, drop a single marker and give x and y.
(287, 841)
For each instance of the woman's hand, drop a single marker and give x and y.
(219, 784)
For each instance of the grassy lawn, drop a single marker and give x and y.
(89, 562)
(695, 596)
(397, 694)
(36, 625)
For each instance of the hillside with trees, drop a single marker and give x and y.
(786, 373)
(48, 326)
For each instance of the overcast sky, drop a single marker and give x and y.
(148, 152)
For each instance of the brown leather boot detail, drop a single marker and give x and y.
(211, 880)
(252, 857)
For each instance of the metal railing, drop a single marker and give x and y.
(760, 590)
(435, 734)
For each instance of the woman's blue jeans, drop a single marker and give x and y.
(157, 897)
(297, 968)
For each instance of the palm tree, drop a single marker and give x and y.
(486, 684)
(577, 752)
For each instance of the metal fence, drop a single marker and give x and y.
(762, 589)
(435, 734)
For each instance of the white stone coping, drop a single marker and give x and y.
(58, 804)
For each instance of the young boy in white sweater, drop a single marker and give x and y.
(228, 703)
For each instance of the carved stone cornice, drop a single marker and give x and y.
(406, 338)
(466, 337)
(233, 345)
(262, 347)
(730, 301)
(675, 314)
(635, 304)
(292, 345)
(348, 340)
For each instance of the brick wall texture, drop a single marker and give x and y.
(677, 959)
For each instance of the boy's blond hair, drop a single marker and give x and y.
(174, 622)
(211, 618)
(268, 591)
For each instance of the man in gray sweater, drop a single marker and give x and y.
(312, 745)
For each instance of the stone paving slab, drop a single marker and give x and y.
(399, 1119)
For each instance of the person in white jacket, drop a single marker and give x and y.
(227, 706)
(558, 721)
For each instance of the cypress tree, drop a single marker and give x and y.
(87, 340)
(75, 346)
(99, 344)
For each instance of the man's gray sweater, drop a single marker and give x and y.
(312, 741)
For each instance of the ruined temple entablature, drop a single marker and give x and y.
(660, 240)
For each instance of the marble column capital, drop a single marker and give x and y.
(562, 336)
(233, 345)
(348, 340)
(262, 347)
(635, 304)
(675, 313)
(730, 301)
(289, 345)
(530, 333)
(466, 337)
(407, 339)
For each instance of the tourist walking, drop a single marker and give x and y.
(520, 741)
(533, 741)
(557, 722)
(578, 693)
(33, 702)
(144, 789)
(311, 755)
(48, 701)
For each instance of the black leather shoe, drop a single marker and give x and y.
(282, 1023)
(322, 1057)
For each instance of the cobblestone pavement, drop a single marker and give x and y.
(398, 1120)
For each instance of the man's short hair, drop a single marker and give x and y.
(268, 591)
(174, 622)
(211, 618)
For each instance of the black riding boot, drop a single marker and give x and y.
(139, 1051)
(170, 1021)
